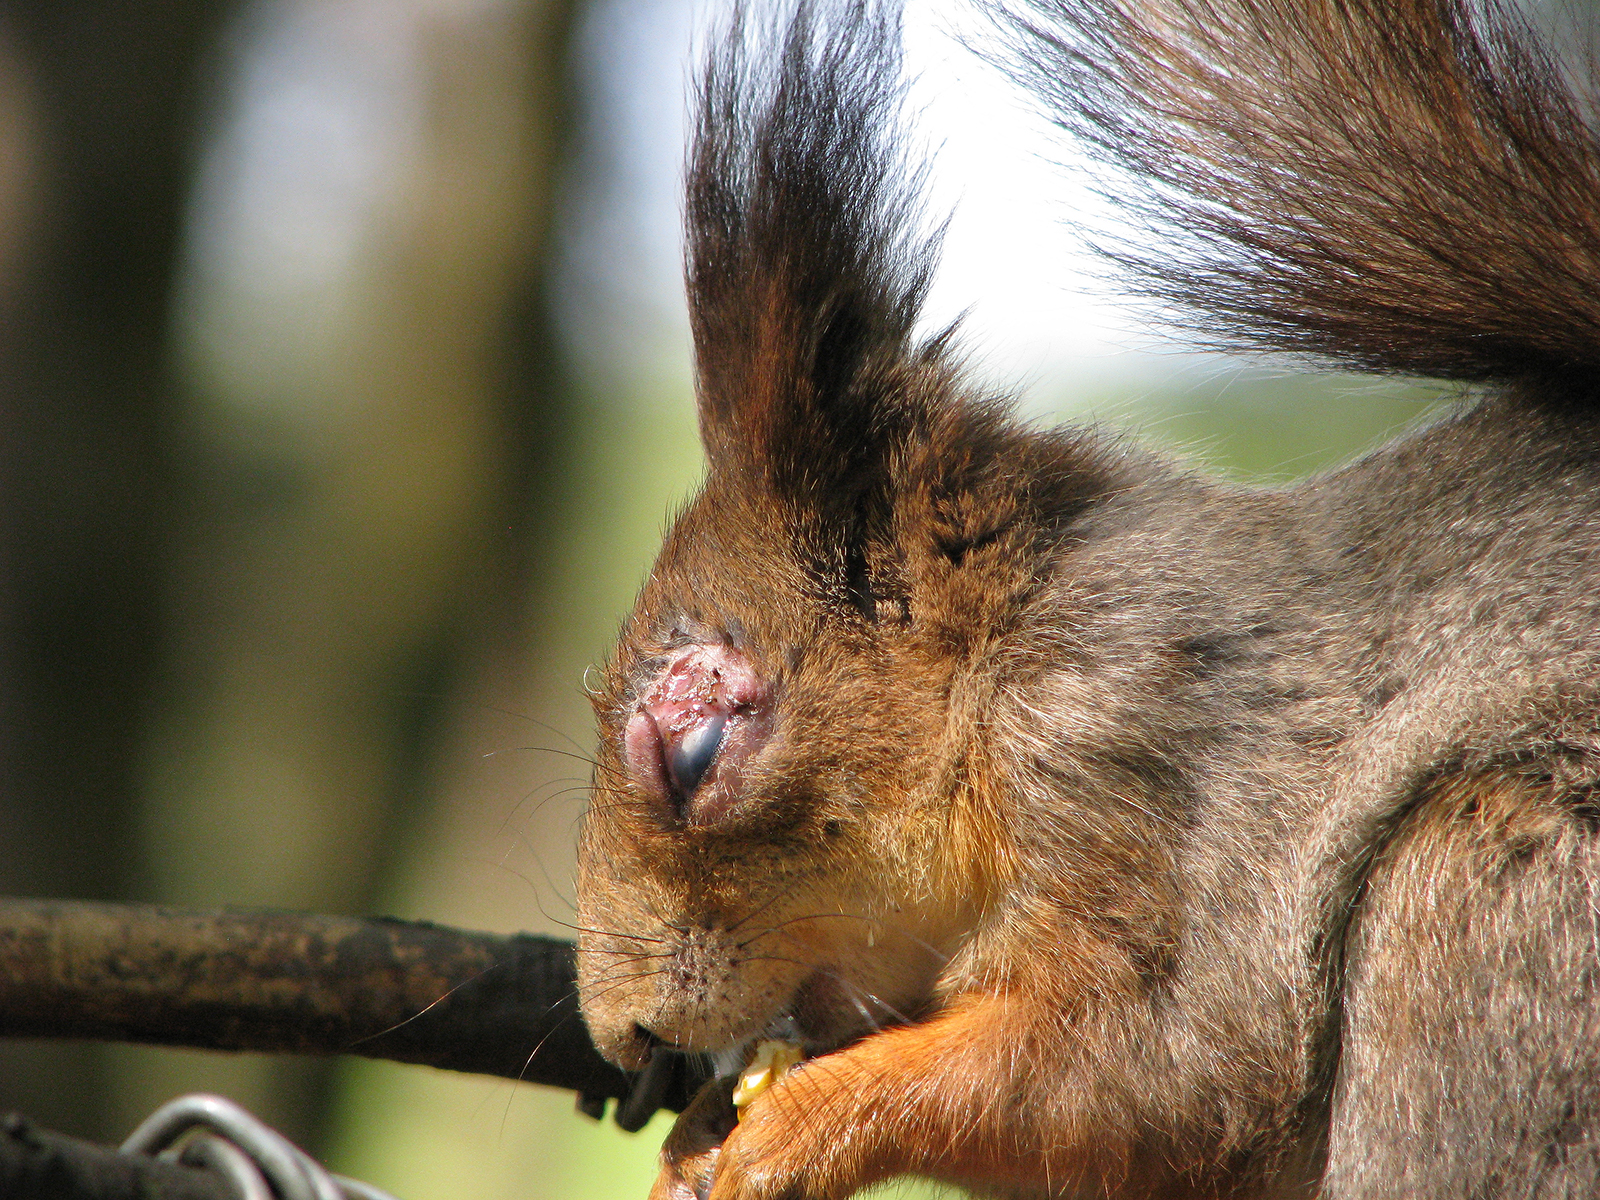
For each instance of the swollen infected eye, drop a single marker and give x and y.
(692, 752)
(697, 722)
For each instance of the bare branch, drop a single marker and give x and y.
(305, 984)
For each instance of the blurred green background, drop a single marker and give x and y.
(343, 396)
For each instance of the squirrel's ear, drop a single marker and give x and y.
(806, 267)
(826, 425)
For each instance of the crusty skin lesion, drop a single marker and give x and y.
(1096, 828)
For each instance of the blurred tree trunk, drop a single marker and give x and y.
(365, 477)
(327, 631)
(108, 95)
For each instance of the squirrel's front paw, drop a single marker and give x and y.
(692, 1149)
(685, 1179)
(781, 1149)
(752, 1167)
(766, 1155)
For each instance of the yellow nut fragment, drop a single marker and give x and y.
(771, 1061)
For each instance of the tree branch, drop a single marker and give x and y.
(306, 984)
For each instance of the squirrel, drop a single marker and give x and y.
(1090, 826)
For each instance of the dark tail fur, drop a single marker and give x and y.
(1390, 185)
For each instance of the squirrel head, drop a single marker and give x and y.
(788, 823)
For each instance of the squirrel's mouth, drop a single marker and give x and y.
(744, 1070)
(732, 1059)
(814, 1023)
(817, 1021)
(825, 1013)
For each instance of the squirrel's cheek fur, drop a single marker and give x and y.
(1090, 826)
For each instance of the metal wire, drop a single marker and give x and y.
(228, 1160)
(281, 1167)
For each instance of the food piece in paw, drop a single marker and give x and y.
(771, 1061)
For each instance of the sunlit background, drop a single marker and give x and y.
(344, 391)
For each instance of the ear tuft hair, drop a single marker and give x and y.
(806, 263)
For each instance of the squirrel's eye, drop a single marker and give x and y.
(692, 753)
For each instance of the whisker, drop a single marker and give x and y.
(778, 893)
(615, 933)
(855, 988)
(938, 954)
(476, 975)
(615, 985)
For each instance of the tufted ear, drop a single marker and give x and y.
(828, 427)
(806, 265)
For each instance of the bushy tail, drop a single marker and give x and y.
(1392, 185)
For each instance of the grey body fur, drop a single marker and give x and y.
(1288, 673)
